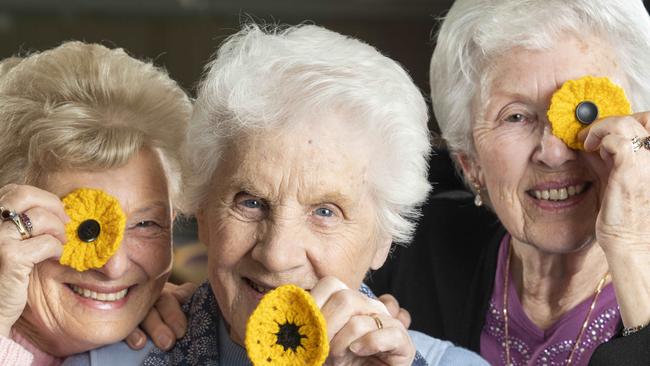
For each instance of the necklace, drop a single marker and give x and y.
(597, 291)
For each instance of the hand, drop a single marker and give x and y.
(19, 256)
(623, 222)
(623, 218)
(355, 337)
(166, 321)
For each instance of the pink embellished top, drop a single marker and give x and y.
(530, 345)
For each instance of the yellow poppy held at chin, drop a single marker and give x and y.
(95, 230)
(579, 102)
(287, 329)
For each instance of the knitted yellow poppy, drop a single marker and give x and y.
(584, 99)
(287, 329)
(95, 230)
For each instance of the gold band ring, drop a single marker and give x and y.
(378, 322)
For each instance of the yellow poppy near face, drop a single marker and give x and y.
(579, 102)
(95, 230)
(287, 329)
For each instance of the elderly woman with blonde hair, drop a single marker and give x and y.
(83, 116)
(561, 275)
(306, 158)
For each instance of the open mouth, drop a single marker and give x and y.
(99, 296)
(559, 194)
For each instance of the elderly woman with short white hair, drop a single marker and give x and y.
(564, 277)
(307, 157)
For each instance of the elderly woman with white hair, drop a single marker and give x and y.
(306, 158)
(563, 276)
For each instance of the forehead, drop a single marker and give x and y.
(540, 72)
(142, 180)
(319, 157)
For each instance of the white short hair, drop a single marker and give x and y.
(474, 32)
(261, 77)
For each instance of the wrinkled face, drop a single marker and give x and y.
(545, 194)
(289, 207)
(68, 321)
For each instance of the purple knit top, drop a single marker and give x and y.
(530, 345)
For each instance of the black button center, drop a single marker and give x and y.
(586, 112)
(88, 231)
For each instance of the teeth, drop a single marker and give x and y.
(560, 194)
(100, 296)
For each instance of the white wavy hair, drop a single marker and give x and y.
(261, 77)
(474, 32)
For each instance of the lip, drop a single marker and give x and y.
(570, 202)
(97, 304)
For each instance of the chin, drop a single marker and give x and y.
(564, 245)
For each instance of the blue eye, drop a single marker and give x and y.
(252, 203)
(325, 212)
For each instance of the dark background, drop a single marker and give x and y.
(181, 35)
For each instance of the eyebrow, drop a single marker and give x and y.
(151, 207)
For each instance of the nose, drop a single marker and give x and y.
(551, 151)
(280, 248)
(118, 265)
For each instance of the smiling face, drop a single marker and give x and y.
(289, 207)
(72, 311)
(545, 194)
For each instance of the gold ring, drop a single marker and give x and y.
(10, 215)
(378, 322)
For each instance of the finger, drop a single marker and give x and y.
(342, 305)
(136, 340)
(643, 118)
(45, 222)
(40, 248)
(355, 328)
(21, 198)
(391, 341)
(161, 335)
(183, 292)
(623, 126)
(404, 317)
(391, 304)
(324, 288)
(171, 313)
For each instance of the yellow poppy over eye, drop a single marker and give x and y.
(287, 329)
(95, 230)
(579, 102)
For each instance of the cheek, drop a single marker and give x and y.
(229, 241)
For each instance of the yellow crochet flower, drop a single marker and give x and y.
(602, 98)
(287, 329)
(95, 230)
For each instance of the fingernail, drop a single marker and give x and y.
(138, 339)
(179, 329)
(355, 347)
(164, 341)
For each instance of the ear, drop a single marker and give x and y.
(471, 168)
(383, 248)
